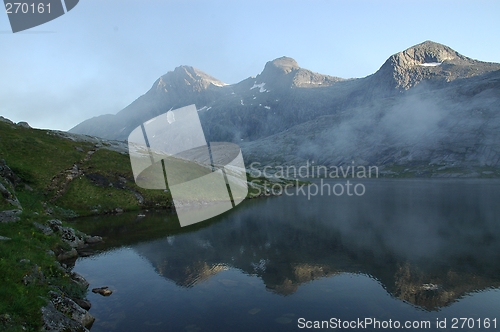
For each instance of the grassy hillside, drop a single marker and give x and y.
(71, 178)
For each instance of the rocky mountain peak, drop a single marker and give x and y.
(429, 61)
(186, 78)
(283, 65)
(424, 53)
(285, 72)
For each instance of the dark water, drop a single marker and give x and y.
(407, 250)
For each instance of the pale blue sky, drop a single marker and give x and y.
(104, 54)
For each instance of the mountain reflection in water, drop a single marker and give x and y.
(426, 242)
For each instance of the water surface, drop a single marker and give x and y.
(406, 250)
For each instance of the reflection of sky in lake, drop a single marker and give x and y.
(405, 250)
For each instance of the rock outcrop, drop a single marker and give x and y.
(8, 183)
(429, 61)
(63, 313)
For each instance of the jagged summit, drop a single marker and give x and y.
(429, 60)
(186, 76)
(428, 52)
(285, 72)
(284, 65)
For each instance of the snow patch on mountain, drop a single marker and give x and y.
(430, 64)
(260, 86)
(218, 83)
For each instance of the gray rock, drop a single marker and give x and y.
(93, 239)
(8, 174)
(44, 229)
(4, 191)
(2, 119)
(4, 238)
(9, 216)
(67, 255)
(14, 201)
(56, 321)
(85, 304)
(104, 291)
(54, 224)
(85, 252)
(138, 196)
(35, 276)
(119, 210)
(79, 279)
(5, 319)
(69, 236)
(24, 124)
(68, 307)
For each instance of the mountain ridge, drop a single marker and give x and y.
(257, 110)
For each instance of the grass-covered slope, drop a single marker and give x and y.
(72, 177)
(28, 272)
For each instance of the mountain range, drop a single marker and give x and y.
(428, 110)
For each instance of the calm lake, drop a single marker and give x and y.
(412, 252)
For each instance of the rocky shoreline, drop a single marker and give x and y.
(62, 312)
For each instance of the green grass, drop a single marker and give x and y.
(37, 155)
(111, 162)
(23, 302)
(82, 196)
(40, 158)
(30, 200)
(4, 205)
(113, 165)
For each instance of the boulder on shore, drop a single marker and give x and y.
(10, 216)
(64, 314)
